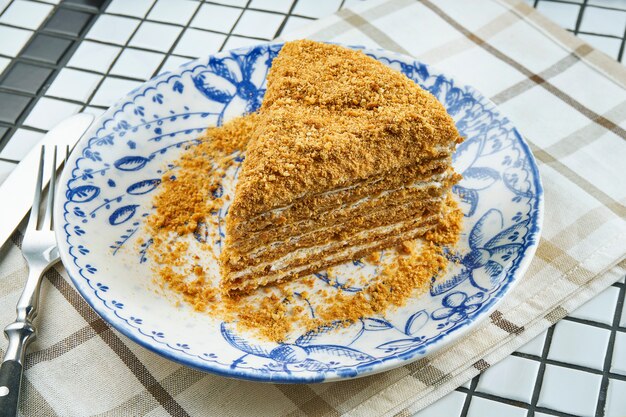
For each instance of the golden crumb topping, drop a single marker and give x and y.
(332, 116)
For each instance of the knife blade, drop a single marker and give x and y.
(18, 189)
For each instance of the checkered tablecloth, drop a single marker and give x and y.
(567, 99)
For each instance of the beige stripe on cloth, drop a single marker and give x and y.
(583, 241)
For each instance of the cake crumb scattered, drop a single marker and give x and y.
(273, 312)
(190, 194)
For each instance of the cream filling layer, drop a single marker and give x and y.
(446, 151)
(305, 253)
(295, 239)
(436, 182)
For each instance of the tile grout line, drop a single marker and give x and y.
(620, 54)
(608, 359)
(579, 19)
(590, 322)
(232, 28)
(541, 371)
(469, 395)
(35, 98)
(173, 24)
(599, 35)
(114, 61)
(289, 14)
(519, 404)
(34, 32)
(170, 52)
(78, 39)
(232, 6)
(594, 6)
(514, 403)
(567, 365)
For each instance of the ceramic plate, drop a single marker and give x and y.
(115, 171)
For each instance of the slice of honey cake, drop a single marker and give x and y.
(349, 157)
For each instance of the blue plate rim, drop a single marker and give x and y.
(252, 375)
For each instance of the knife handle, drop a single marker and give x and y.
(10, 381)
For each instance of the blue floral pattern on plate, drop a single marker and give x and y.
(113, 174)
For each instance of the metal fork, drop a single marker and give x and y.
(40, 250)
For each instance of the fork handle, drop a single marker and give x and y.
(10, 381)
(19, 333)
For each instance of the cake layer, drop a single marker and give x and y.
(348, 156)
(337, 233)
(312, 205)
(308, 260)
(386, 202)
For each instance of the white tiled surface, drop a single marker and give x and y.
(4, 62)
(196, 43)
(616, 400)
(513, 378)
(25, 14)
(112, 89)
(94, 56)
(604, 21)
(135, 8)
(562, 13)
(101, 71)
(317, 9)
(258, 24)
(48, 112)
(216, 17)
(235, 41)
(450, 405)
(579, 344)
(295, 22)
(569, 391)
(173, 11)
(12, 40)
(606, 3)
(281, 6)
(74, 84)
(618, 363)
(599, 308)
(134, 63)
(21, 143)
(481, 407)
(155, 36)
(173, 62)
(113, 29)
(535, 346)
(234, 3)
(5, 170)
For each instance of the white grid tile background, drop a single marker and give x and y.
(575, 368)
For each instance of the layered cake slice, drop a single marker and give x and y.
(349, 157)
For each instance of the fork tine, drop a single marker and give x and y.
(50, 204)
(34, 211)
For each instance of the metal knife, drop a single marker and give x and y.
(16, 190)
